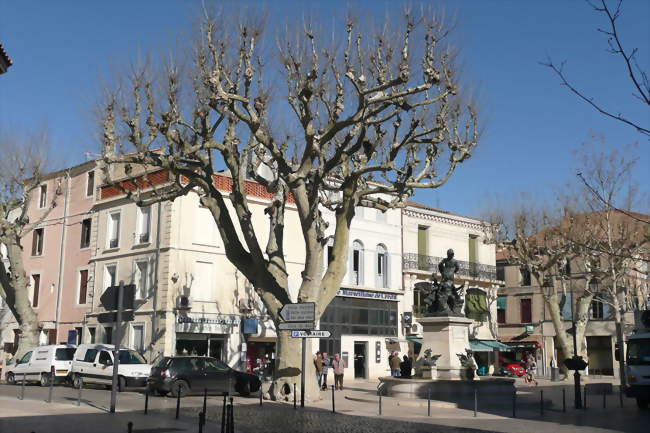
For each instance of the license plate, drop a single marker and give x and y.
(62, 372)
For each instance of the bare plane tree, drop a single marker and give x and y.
(21, 168)
(637, 76)
(368, 119)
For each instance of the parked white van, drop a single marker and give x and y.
(94, 364)
(38, 364)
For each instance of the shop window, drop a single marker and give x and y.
(526, 310)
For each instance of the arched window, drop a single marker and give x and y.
(357, 263)
(381, 280)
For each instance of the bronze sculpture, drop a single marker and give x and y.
(443, 299)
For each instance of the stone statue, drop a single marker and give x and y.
(425, 367)
(443, 299)
(430, 360)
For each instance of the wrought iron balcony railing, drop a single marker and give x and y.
(421, 262)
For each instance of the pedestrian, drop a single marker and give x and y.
(318, 364)
(405, 368)
(338, 365)
(472, 366)
(395, 364)
(531, 369)
(326, 365)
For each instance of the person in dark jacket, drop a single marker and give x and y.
(406, 367)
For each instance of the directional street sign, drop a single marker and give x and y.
(296, 325)
(310, 334)
(302, 312)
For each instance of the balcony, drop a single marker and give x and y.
(418, 262)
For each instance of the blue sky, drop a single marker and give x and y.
(61, 50)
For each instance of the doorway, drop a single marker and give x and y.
(215, 348)
(360, 359)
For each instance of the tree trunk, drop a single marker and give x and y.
(16, 289)
(288, 364)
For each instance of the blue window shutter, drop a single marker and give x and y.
(566, 308)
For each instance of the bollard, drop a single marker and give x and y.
(205, 401)
(584, 406)
(428, 401)
(201, 421)
(22, 388)
(223, 414)
(541, 402)
(475, 400)
(146, 400)
(563, 400)
(52, 375)
(261, 395)
(514, 404)
(294, 396)
(129, 427)
(380, 402)
(620, 395)
(333, 408)
(178, 401)
(604, 399)
(232, 417)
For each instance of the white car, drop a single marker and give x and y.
(93, 363)
(42, 363)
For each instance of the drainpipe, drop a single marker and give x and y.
(62, 257)
(154, 320)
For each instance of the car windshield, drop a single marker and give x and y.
(131, 357)
(65, 354)
(638, 352)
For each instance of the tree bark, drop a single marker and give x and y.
(287, 370)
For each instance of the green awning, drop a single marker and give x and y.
(417, 340)
(488, 346)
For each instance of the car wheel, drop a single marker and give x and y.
(121, 384)
(642, 403)
(180, 387)
(244, 389)
(45, 379)
(11, 380)
(77, 381)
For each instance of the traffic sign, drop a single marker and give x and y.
(302, 312)
(310, 334)
(284, 326)
(108, 299)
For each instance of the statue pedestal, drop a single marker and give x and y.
(447, 336)
(429, 372)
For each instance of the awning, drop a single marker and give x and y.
(488, 346)
(525, 342)
(417, 340)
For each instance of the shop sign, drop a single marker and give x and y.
(212, 324)
(367, 295)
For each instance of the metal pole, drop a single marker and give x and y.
(223, 414)
(205, 401)
(333, 408)
(146, 400)
(261, 395)
(81, 385)
(514, 404)
(428, 401)
(22, 388)
(563, 399)
(585, 405)
(302, 374)
(129, 427)
(604, 399)
(116, 350)
(178, 401)
(576, 375)
(52, 373)
(232, 416)
(475, 400)
(201, 420)
(379, 402)
(541, 402)
(294, 396)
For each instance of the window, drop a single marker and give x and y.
(64, 354)
(526, 310)
(90, 184)
(36, 284)
(110, 276)
(37, 242)
(360, 316)
(473, 255)
(114, 230)
(90, 356)
(525, 276)
(597, 309)
(85, 232)
(92, 332)
(382, 267)
(502, 303)
(26, 357)
(423, 237)
(141, 279)
(42, 199)
(565, 305)
(501, 272)
(83, 286)
(138, 338)
(201, 287)
(357, 263)
(51, 336)
(105, 358)
(144, 225)
(79, 334)
(108, 334)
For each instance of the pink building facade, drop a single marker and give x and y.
(56, 256)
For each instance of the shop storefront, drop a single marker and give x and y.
(206, 334)
(487, 354)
